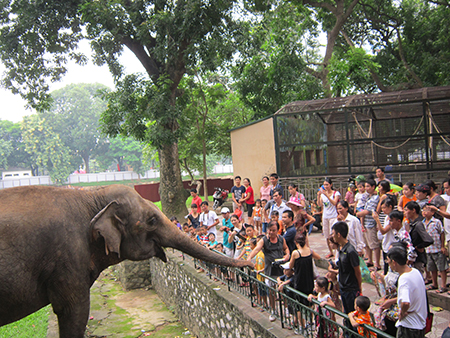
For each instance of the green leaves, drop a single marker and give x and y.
(351, 74)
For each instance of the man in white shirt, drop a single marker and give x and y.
(208, 218)
(279, 204)
(354, 236)
(411, 294)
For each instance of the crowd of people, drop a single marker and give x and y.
(401, 232)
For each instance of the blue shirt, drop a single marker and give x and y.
(228, 224)
(289, 236)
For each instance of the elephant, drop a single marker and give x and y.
(54, 243)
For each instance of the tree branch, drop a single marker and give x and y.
(325, 5)
(405, 63)
(146, 61)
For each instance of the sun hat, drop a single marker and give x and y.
(295, 201)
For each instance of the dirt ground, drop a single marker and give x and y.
(119, 314)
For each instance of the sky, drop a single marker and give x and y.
(14, 107)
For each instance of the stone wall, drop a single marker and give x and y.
(206, 307)
(134, 275)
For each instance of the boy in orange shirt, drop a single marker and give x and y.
(362, 316)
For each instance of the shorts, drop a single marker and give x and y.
(326, 226)
(229, 252)
(436, 262)
(270, 284)
(262, 290)
(371, 238)
(257, 219)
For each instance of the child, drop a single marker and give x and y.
(362, 316)
(212, 243)
(202, 235)
(174, 220)
(436, 252)
(256, 216)
(264, 218)
(246, 250)
(274, 216)
(259, 267)
(361, 198)
(286, 279)
(323, 328)
(186, 229)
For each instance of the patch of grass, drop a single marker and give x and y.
(35, 325)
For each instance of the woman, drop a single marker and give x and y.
(329, 199)
(293, 191)
(387, 206)
(237, 227)
(265, 189)
(194, 216)
(302, 220)
(355, 236)
(436, 199)
(249, 199)
(409, 194)
(302, 263)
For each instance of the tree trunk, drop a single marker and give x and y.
(86, 163)
(173, 195)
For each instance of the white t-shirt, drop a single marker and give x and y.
(209, 219)
(329, 210)
(411, 289)
(388, 237)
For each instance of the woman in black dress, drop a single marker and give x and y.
(302, 263)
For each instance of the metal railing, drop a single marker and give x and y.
(286, 306)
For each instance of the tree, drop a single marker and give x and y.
(75, 113)
(46, 148)
(121, 151)
(167, 38)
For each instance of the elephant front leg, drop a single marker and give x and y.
(72, 317)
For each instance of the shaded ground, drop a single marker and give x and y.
(116, 313)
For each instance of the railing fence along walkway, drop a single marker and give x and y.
(287, 308)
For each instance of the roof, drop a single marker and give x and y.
(374, 106)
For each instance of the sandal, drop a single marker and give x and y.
(369, 265)
(442, 290)
(329, 256)
(428, 281)
(431, 287)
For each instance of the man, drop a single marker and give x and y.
(275, 184)
(419, 236)
(411, 295)
(228, 248)
(379, 172)
(290, 230)
(446, 197)
(355, 235)
(196, 199)
(237, 192)
(349, 272)
(370, 235)
(278, 204)
(208, 218)
(274, 247)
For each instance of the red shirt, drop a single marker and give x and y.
(249, 191)
(197, 200)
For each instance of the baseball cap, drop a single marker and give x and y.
(285, 266)
(423, 188)
(224, 210)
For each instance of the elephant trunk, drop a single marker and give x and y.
(172, 237)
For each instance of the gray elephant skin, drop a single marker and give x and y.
(54, 242)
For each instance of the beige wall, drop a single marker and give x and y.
(253, 152)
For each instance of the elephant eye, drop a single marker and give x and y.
(151, 221)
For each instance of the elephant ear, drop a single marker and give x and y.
(104, 225)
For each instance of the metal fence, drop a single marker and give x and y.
(309, 321)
